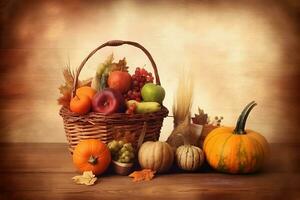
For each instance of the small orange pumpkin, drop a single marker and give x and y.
(236, 150)
(91, 155)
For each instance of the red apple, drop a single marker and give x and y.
(119, 80)
(108, 101)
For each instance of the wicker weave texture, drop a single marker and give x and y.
(98, 126)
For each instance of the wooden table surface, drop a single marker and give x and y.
(44, 171)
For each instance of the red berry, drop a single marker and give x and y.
(143, 71)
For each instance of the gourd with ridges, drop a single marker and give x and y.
(236, 150)
(189, 157)
(157, 156)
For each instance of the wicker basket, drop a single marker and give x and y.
(103, 127)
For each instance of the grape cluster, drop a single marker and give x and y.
(139, 79)
(121, 152)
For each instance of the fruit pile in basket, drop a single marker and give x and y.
(113, 90)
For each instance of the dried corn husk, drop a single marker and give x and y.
(101, 70)
(182, 114)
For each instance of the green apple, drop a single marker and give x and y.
(153, 93)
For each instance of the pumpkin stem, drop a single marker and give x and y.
(241, 122)
(93, 160)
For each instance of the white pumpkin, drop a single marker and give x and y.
(189, 157)
(157, 156)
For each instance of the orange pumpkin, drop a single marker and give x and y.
(91, 155)
(236, 150)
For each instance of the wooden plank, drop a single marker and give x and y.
(30, 171)
(187, 181)
(175, 186)
(203, 195)
(35, 157)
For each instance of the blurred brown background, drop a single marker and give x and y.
(236, 51)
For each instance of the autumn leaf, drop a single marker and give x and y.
(66, 88)
(120, 66)
(142, 175)
(86, 82)
(65, 99)
(87, 178)
(201, 118)
(69, 75)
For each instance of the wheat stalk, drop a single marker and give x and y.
(183, 98)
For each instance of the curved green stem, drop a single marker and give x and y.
(241, 122)
(93, 160)
(238, 124)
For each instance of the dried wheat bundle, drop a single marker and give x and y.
(183, 99)
(182, 113)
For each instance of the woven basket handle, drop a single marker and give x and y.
(113, 43)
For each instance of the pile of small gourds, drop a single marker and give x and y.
(159, 156)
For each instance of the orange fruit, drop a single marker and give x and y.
(87, 91)
(80, 104)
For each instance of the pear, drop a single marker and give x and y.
(144, 107)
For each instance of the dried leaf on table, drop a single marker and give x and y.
(87, 178)
(143, 175)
